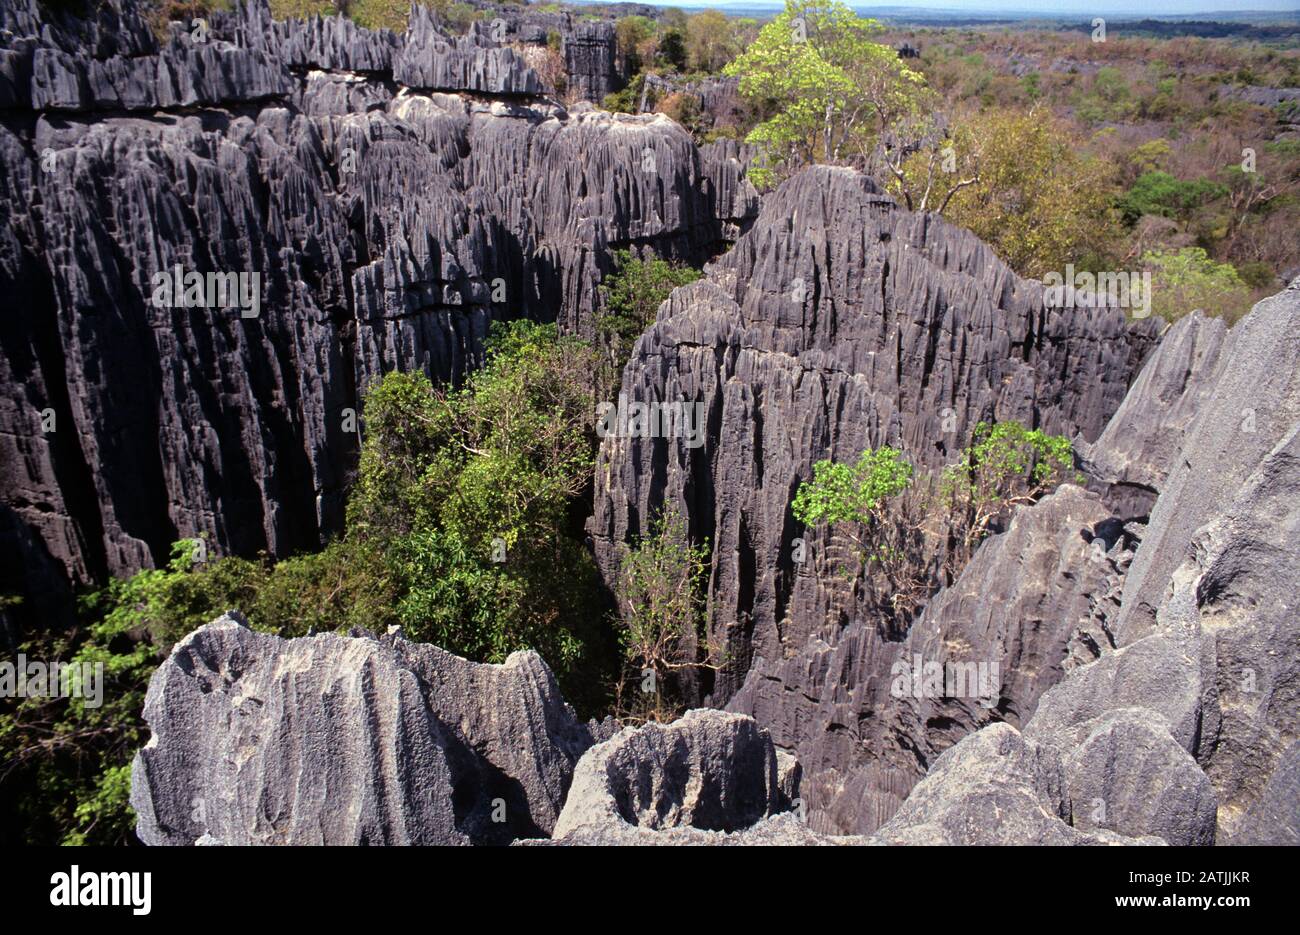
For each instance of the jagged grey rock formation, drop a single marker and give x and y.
(709, 770)
(1134, 454)
(590, 58)
(1187, 730)
(349, 740)
(1273, 817)
(838, 322)
(991, 789)
(388, 223)
(856, 708)
(1130, 773)
(432, 61)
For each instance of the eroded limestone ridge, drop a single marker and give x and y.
(386, 197)
(839, 322)
(1109, 725)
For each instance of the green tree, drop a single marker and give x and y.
(1159, 193)
(661, 605)
(633, 294)
(1006, 464)
(862, 503)
(630, 32)
(831, 89)
(469, 494)
(709, 41)
(1187, 279)
(1037, 201)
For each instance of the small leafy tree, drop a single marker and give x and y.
(709, 37)
(861, 502)
(661, 604)
(831, 90)
(1187, 279)
(633, 294)
(1036, 200)
(468, 495)
(1159, 193)
(1005, 465)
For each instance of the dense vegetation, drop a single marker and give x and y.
(632, 297)
(464, 529)
(1128, 154)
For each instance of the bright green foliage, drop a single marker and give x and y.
(1187, 279)
(468, 495)
(626, 101)
(660, 597)
(864, 503)
(1110, 98)
(830, 88)
(842, 493)
(1006, 464)
(442, 475)
(1159, 193)
(633, 294)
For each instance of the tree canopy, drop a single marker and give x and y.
(829, 88)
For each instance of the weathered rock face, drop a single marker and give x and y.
(993, 788)
(1181, 731)
(838, 322)
(1134, 454)
(393, 195)
(334, 740)
(865, 715)
(717, 100)
(1186, 731)
(591, 60)
(709, 771)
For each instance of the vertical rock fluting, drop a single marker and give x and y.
(349, 740)
(395, 194)
(838, 322)
(1180, 724)
(591, 60)
(855, 708)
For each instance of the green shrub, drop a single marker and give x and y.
(443, 475)
(1188, 279)
(633, 294)
(661, 582)
(1159, 193)
(1006, 464)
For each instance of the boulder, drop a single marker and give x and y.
(708, 770)
(349, 740)
(1129, 773)
(993, 788)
